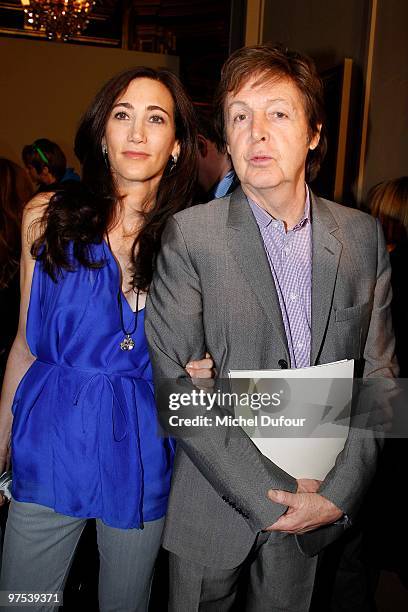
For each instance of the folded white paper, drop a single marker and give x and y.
(316, 400)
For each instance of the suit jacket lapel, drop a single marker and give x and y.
(326, 250)
(245, 243)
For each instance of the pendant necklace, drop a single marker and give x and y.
(127, 344)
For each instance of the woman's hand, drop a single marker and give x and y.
(202, 372)
(202, 368)
(4, 460)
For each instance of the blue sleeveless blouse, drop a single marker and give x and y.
(85, 439)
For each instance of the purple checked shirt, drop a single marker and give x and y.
(290, 259)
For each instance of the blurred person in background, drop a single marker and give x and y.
(15, 191)
(216, 176)
(349, 581)
(388, 201)
(78, 396)
(46, 164)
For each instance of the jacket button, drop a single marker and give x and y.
(283, 364)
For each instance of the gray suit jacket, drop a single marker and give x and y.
(213, 290)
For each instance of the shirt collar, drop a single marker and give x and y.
(222, 187)
(264, 219)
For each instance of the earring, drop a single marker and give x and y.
(173, 162)
(105, 153)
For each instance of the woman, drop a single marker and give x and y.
(84, 438)
(15, 191)
(389, 202)
(386, 548)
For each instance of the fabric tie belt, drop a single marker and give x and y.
(101, 429)
(124, 414)
(114, 382)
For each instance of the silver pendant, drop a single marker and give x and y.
(127, 343)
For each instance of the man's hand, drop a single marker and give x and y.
(308, 485)
(306, 510)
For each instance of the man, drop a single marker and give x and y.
(46, 164)
(270, 277)
(216, 176)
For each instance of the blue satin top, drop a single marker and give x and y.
(85, 438)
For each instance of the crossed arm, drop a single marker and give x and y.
(274, 501)
(233, 465)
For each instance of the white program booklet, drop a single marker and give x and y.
(306, 422)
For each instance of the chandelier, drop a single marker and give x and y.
(60, 19)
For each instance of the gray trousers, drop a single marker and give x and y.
(39, 547)
(276, 577)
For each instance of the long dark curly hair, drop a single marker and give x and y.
(82, 213)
